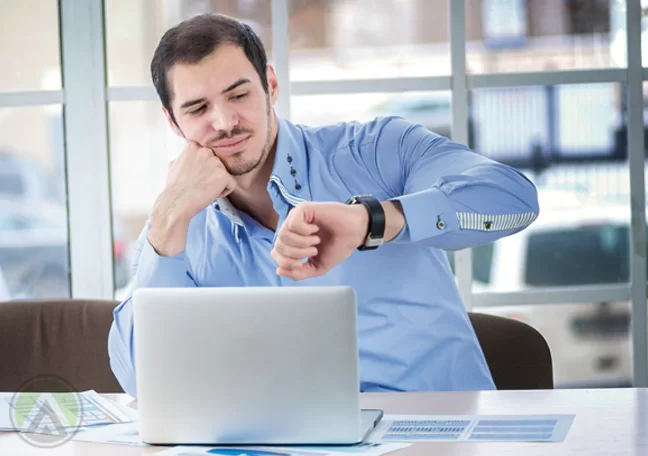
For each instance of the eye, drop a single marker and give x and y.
(240, 96)
(200, 110)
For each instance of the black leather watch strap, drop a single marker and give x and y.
(376, 228)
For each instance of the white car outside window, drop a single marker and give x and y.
(569, 246)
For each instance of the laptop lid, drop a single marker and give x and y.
(252, 365)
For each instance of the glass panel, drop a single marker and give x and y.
(507, 36)
(141, 146)
(588, 255)
(644, 32)
(431, 109)
(482, 262)
(33, 216)
(133, 30)
(571, 141)
(29, 33)
(393, 39)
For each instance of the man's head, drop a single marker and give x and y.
(216, 88)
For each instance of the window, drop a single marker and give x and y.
(508, 36)
(29, 31)
(133, 30)
(34, 237)
(578, 256)
(393, 39)
(482, 262)
(433, 110)
(142, 146)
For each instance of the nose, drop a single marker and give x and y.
(223, 118)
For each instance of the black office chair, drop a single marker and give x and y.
(56, 345)
(517, 354)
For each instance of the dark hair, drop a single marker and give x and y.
(194, 39)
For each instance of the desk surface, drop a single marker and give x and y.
(608, 422)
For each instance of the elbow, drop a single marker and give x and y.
(527, 194)
(121, 363)
(533, 203)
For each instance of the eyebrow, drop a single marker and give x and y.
(196, 101)
(235, 85)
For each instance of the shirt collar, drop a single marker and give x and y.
(291, 163)
(289, 172)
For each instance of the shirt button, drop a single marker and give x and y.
(488, 225)
(440, 224)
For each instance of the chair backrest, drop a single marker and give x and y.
(45, 340)
(517, 354)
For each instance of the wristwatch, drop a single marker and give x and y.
(376, 229)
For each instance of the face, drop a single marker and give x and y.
(220, 103)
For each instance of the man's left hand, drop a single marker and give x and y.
(324, 235)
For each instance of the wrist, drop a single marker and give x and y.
(168, 229)
(394, 219)
(361, 218)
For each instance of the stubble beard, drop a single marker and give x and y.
(240, 167)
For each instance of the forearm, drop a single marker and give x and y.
(474, 208)
(152, 270)
(168, 227)
(451, 197)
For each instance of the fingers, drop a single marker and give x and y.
(289, 257)
(304, 271)
(292, 239)
(229, 182)
(296, 241)
(290, 249)
(299, 226)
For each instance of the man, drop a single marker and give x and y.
(255, 200)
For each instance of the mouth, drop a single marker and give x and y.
(232, 145)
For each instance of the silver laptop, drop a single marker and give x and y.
(253, 365)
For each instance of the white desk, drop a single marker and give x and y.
(608, 422)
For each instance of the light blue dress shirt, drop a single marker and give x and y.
(413, 330)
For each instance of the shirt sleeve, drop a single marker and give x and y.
(452, 197)
(149, 270)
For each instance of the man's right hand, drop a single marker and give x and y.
(194, 181)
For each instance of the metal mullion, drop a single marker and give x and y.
(484, 81)
(636, 154)
(89, 212)
(542, 296)
(463, 258)
(378, 85)
(31, 98)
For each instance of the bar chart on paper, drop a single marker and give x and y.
(540, 428)
(42, 412)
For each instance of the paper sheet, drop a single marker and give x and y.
(472, 428)
(367, 449)
(52, 413)
(128, 434)
(122, 434)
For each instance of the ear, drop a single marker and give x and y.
(273, 84)
(172, 124)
